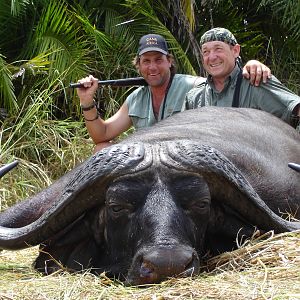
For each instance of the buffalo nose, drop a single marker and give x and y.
(162, 263)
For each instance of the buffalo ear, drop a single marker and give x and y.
(227, 184)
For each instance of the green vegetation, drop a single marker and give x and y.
(46, 44)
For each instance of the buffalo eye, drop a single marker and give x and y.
(124, 196)
(115, 208)
(197, 206)
(192, 194)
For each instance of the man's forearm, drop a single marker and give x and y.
(94, 124)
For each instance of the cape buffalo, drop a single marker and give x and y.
(153, 205)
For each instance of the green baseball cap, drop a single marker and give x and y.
(218, 34)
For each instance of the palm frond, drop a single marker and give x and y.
(288, 11)
(58, 34)
(146, 15)
(7, 96)
(189, 12)
(17, 6)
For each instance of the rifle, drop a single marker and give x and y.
(116, 82)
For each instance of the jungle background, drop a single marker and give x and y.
(46, 44)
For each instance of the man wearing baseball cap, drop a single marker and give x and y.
(153, 42)
(166, 90)
(162, 97)
(225, 85)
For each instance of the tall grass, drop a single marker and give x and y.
(285, 67)
(45, 147)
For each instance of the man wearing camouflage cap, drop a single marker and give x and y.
(225, 85)
(218, 34)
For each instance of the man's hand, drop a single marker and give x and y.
(296, 110)
(256, 72)
(87, 92)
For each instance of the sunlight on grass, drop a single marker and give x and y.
(266, 268)
(46, 148)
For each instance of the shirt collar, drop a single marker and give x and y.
(232, 77)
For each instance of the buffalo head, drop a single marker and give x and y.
(152, 206)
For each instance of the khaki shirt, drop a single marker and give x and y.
(139, 102)
(272, 97)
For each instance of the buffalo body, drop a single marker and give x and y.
(155, 204)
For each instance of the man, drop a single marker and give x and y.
(226, 87)
(163, 97)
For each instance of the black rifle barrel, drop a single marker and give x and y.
(6, 168)
(116, 82)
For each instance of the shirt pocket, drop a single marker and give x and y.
(140, 121)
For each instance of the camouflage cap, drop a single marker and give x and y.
(218, 34)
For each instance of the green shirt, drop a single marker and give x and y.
(272, 96)
(139, 102)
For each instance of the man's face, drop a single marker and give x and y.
(219, 58)
(155, 68)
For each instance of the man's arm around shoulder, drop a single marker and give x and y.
(193, 98)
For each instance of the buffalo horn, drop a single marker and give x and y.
(8, 167)
(227, 184)
(294, 166)
(76, 192)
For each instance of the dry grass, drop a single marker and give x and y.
(265, 268)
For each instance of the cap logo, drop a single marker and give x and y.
(151, 41)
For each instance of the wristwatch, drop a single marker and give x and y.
(86, 108)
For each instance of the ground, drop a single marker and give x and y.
(265, 268)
